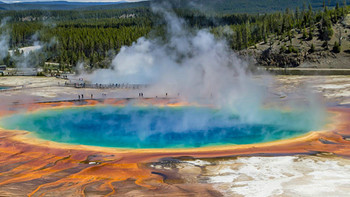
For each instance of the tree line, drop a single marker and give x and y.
(283, 25)
(95, 37)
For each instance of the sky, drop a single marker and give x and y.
(17, 1)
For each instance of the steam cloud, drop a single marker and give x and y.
(4, 39)
(29, 56)
(200, 68)
(192, 63)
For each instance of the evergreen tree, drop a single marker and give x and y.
(312, 48)
(336, 47)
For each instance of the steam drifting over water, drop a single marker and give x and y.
(197, 67)
(192, 63)
(156, 127)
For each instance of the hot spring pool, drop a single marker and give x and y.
(4, 87)
(157, 127)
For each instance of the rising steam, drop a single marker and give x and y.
(4, 39)
(192, 63)
(198, 67)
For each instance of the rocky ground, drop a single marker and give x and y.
(265, 176)
(269, 54)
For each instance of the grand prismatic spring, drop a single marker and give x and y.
(157, 127)
(206, 121)
(156, 146)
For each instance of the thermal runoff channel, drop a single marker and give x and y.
(157, 127)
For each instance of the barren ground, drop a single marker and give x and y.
(261, 175)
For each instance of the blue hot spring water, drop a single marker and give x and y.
(157, 127)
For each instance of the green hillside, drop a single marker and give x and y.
(217, 6)
(95, 36)
(250, 6)
(230, 6)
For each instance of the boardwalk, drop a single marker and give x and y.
(104, 86)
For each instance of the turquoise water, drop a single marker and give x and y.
(3, 87)
(157, 127)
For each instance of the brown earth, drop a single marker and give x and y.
(270, 55)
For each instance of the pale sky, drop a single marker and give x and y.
(17, 1)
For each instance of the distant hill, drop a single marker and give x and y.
(249, 6)
(141, 4)
(230, 6)
(53, 5)
(73, 3)
(221, 6)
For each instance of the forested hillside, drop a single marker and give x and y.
(249, 6)
(51, 5)
(214, 6)
(95, 36)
